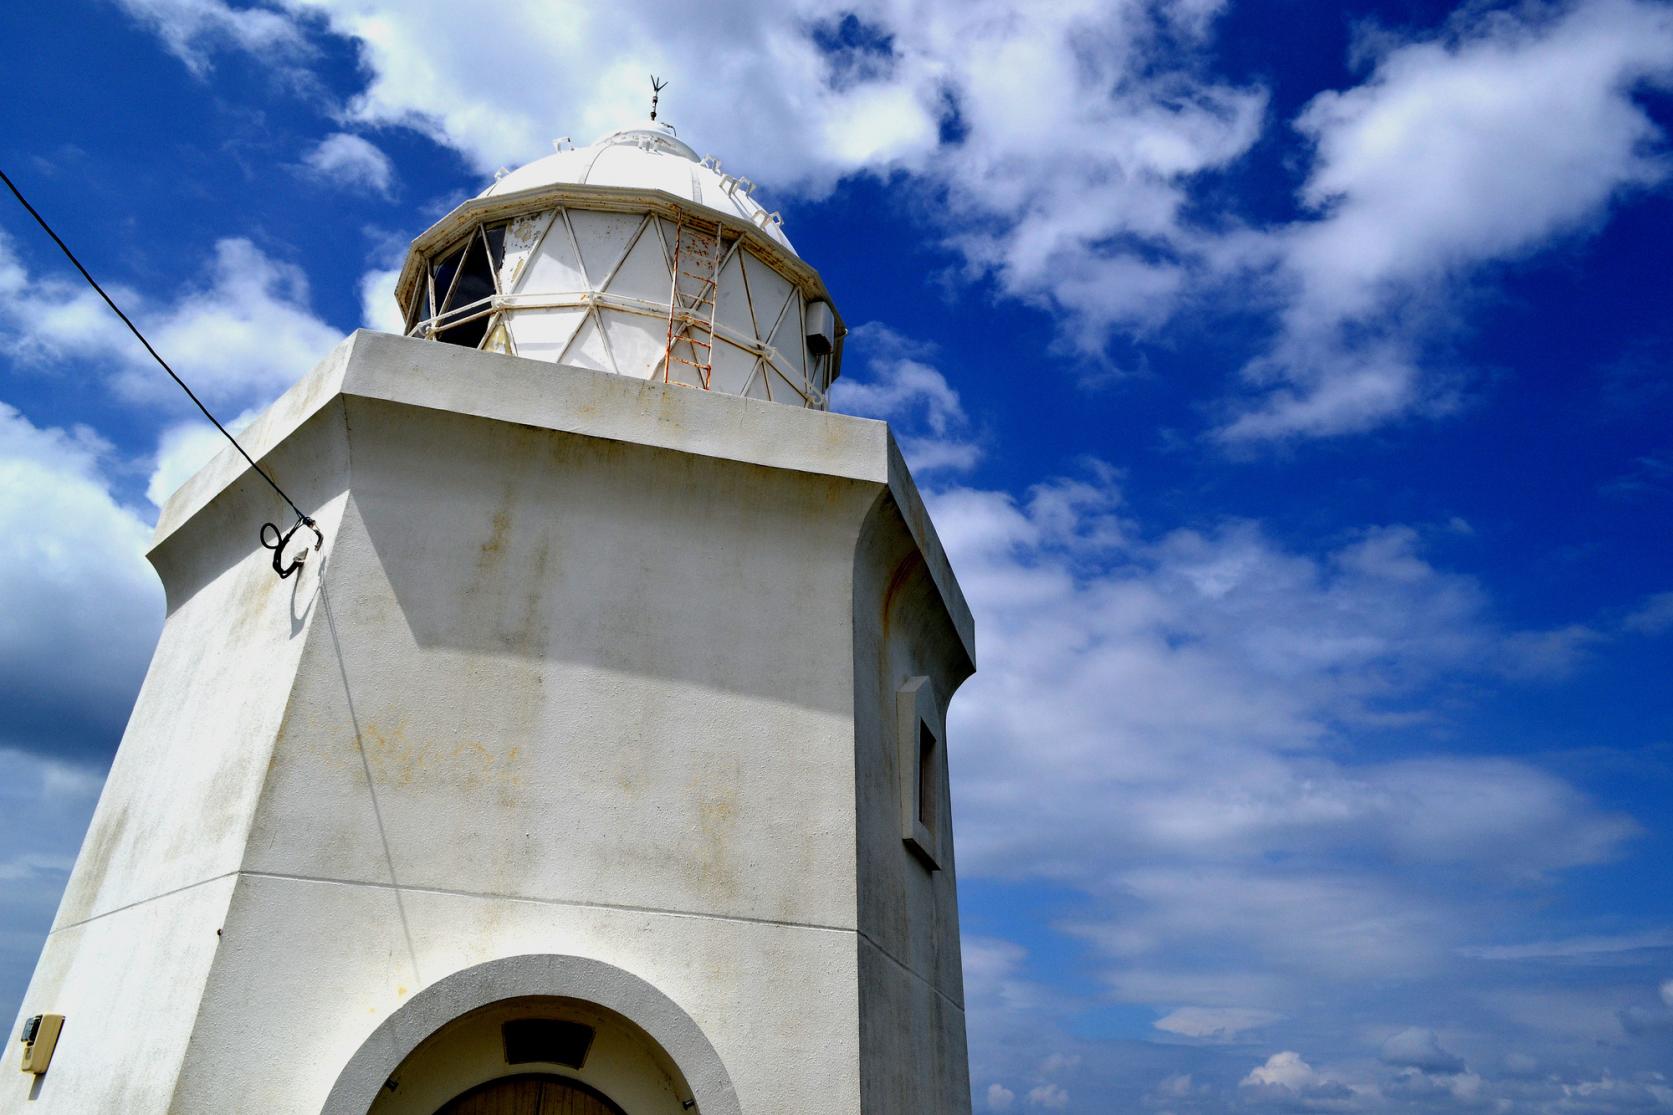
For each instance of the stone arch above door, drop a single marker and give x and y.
(537, 976)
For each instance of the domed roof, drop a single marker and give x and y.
(646, 159)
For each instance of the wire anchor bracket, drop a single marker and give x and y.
(280, 541)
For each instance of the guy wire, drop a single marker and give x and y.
(134, 329)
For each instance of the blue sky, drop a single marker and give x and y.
(1289, 382)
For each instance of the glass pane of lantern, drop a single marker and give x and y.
(468, 333)
(445, 272)
(496, 244)
(476, 277)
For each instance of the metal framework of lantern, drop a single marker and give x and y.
(641, 275)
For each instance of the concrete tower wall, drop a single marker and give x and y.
(136, 936)
(913, 1053)
(589, 668)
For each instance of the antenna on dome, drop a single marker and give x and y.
(657, 86)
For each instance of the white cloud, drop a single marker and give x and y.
(1012, 1020)
(1058, 1062)
(1049, 1096)
(468, 83)
(45, 804)
(1285, 1082)
(1286, 1069)
(1062, 147)
(1455, 152)
(1059, 140)
(1455, 1090)
(886, 377)
(1000, 1097)
(1171, 1089)
(1215, 695)
(1418, 1048)
(185, 448)
(1549, 654)
(1179, 926)
(239, 335)
(1568, 1013)
(1575, 948)
(1215, 1023)
(352, 162)
(1656, 1019)
(1082, 140)
(181, 451)
(1188, 679)
(191, 28)
(1612, 1095)
(1654, 616)
(993, 974)
(1206, 693)
(45, 318)
(244, 335)
(1288, 1082)
(79, 607)
(378, 309)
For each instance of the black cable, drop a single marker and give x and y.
(134, 329)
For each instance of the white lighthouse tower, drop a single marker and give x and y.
(596, 764)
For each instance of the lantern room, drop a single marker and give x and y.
(633, 256)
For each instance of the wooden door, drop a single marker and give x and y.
(531, 1095)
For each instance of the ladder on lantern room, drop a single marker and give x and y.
(691, 299)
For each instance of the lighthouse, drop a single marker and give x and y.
(596, 763)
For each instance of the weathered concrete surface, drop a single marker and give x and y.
(912, 1043)
(589, 667)
(657, 1063)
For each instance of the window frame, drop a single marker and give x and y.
(921, 749)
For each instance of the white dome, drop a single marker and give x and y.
(632, 256)
(645, 159)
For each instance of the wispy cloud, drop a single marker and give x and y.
(351, 162)
(45, 804)
(194, 29)
(1654, 616)
(1575, 948)
(1218, 707)
(1215, 1023)
(1066, 149)
(886, 377)
(1456, 151)
(82, 608)
(240, 334)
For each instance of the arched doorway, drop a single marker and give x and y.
(648, 1056)
(531, 1094)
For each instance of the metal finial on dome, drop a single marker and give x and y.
(657, 86)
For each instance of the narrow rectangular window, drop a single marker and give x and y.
(926, 777)
(919, 757)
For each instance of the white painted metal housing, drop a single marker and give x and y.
(631, 256)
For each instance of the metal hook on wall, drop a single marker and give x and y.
(280, 541)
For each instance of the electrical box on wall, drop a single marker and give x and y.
(40, 1038)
